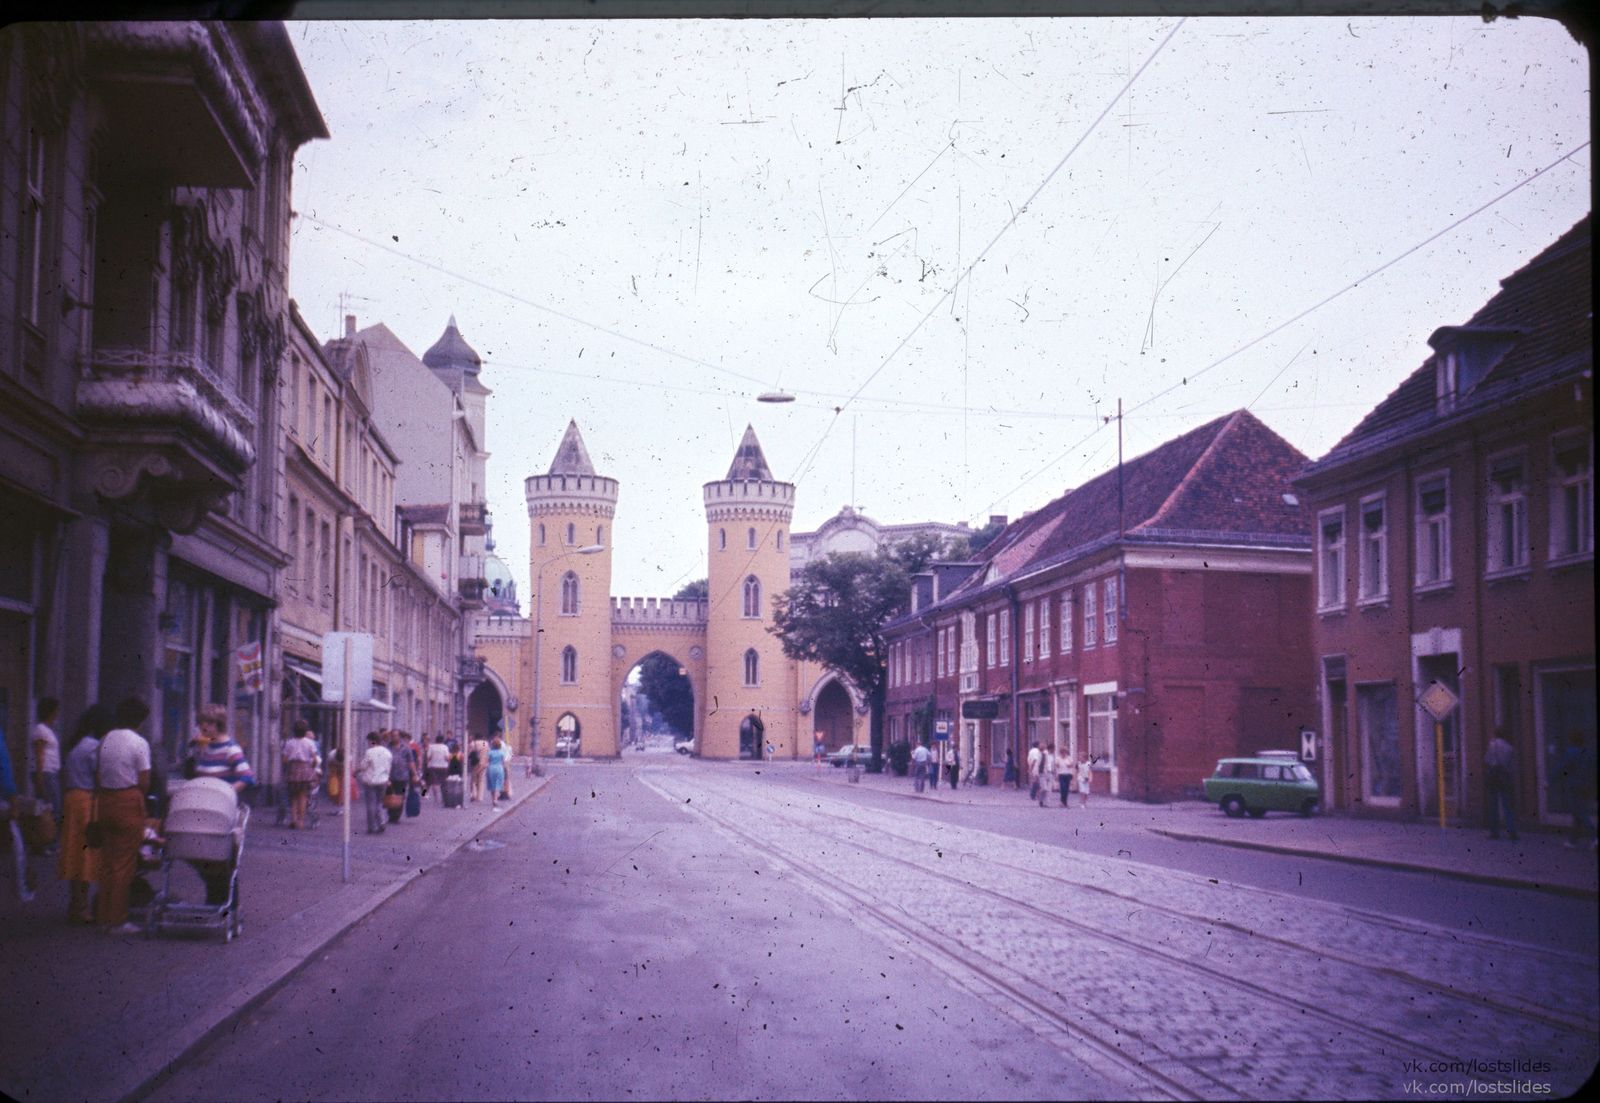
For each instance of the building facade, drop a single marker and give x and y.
(1108, 624)
(578, 645)
(1455, 545)
(144, 211)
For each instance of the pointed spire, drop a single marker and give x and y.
(572, 458)
(748, 461)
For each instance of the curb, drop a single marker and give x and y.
(202, 1032)
(1498, 880)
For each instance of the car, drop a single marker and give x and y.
(856, 753)
(683, 746)
(567, 745)
(1262, 783)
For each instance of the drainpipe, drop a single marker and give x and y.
(1016, 675)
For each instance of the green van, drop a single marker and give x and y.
(1263, 783)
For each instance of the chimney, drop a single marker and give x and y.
(997, 519)
(349, 325)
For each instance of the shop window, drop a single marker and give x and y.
(1378, 727)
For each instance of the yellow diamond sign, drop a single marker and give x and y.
(1438, 700)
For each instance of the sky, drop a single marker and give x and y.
(957, 243)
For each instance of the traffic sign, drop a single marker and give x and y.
(1438, 701)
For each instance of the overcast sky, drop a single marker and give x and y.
(957, 243)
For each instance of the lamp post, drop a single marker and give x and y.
(534, 769)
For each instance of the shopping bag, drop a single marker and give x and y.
(413, 801)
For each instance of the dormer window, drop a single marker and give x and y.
(1465, 355)
(1445, 383)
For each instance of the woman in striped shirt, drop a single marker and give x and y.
(215, 752)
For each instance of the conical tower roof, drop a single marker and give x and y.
(749, 462)
(572, 458)
(452, 351)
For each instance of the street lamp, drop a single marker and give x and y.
(534, 770)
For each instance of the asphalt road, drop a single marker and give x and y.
(1557, 922)
(618, 946)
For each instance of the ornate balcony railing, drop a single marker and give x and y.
(133, 388)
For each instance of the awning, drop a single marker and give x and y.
(372, 704)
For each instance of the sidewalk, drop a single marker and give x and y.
(1538, 861)
(86, 1015)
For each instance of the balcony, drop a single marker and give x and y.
(474, 518)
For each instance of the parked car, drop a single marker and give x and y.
(859, 752)
(566, 744)
(1262, 783)
(683, 746)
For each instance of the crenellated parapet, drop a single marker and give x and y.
(749, 499)
(565, 494)
(647, 612)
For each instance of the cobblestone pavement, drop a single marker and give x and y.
(1192, 986)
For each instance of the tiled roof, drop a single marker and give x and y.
(749, 462)
(1224, 482)
(571, 458)
(1548, 305)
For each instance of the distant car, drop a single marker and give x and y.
(683, 746)
(1262, 783)
(567, 744)
(857, 752)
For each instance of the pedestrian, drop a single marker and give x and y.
(919, 765)
(1034, 754)
(402, 773)
(497, 773)
(1066, 772)
(1011, 767)
(1499, 788)
(1084, 775)
(302, 761)
(818, 746)
(935, 765)
(217, 754)
(8, 816)
(1047, 774)
(374, 778)
(478, 764)
(955, 765)
(79, 863)
(438, 765)
(122, 778)
(335, 780)
(44, 755)
(1576, 774)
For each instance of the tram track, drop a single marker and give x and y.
(1364, 1045)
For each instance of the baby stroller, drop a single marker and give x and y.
(205, 826)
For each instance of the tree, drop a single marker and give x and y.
(834, 614)
(698, 590)
(668, 691)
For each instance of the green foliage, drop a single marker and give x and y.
(834, 614)
(698, 590)
(980, 539)
(669, 691)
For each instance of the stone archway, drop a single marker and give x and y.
(486, 712)
(656, 704)
(834, 716)
(752, 735)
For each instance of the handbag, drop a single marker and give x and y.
(413, 801)
(393, 800)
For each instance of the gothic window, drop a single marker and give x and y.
(569, 666)
(752, 668)
(750, 538)
(572, 533)
(569, 594)
(541, 536)
(752, 597)
(722, 539)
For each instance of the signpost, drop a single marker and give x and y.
(346, 673)
(1438, 702)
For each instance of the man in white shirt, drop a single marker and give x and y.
(438, 766)
(1034, 754)
(121, 781)
(44, 755)
(374, 776)
(919, 765)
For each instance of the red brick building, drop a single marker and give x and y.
(1154, 618)
(1455, 543)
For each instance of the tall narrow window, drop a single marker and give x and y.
(1028, 628)
(600, 535)
(943, 632)
(989, 629)
(722, 539)
(1091, 615)
(750, 538)
(1005, 637)
(1330, 559)
(33, 231)
(1113, 611)
(569, 594)
(572, 533)
(1044, 628)
(1571, 497)
(541, 535)
(296, 571)
(1433, 531)
(569, 665)
(1066, 622)
(1507, 522)
(1373, 565)
(950, 650)
(752, 668)
(752, 596)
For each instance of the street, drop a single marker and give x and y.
(674, 929)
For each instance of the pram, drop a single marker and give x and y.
(205, 825)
